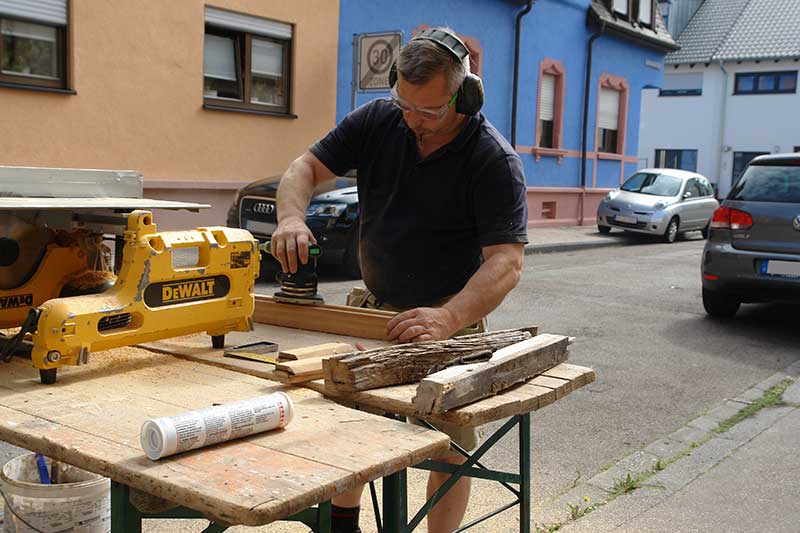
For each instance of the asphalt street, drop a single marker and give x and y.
(637, 317)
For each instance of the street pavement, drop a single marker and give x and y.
(699, 478)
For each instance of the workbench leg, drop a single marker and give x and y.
(525, 473)
(324, 517)
(125, 518)
(395, 503)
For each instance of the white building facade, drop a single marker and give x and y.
(729, 94)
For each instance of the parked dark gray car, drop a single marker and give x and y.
(659, 201)
(753, 251)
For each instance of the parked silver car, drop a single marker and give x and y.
(753, 252)
(659, 201)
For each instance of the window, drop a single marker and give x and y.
(797, 149)
(646, 12)
(705, 188)
(680, 159)
(682, 85)
(635, 11)
(246, 63)
(766, 83)
(608, 120)
(693, 187)
(33, 43)
(740, 162)
(771, 183)
(550, 108)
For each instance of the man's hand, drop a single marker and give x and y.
(289, 243)
(422, 324)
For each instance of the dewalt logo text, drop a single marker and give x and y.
(189, 290)
(13, 301)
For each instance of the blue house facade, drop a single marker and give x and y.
(566, 177)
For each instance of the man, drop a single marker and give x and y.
(443, 215)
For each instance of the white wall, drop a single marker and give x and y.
(752, 123)
(759, 122)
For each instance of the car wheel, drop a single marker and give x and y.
(351, 266)
(720, 305)
(672, 231)
(704, 231)
(605, 230)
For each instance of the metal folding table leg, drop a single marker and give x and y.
(525, 473)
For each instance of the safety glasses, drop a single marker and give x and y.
(429, 113)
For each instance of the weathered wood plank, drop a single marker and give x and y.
(341, 320)
(463, 384)
(406, 363)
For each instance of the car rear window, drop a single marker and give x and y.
(654, 184)
(768, 184)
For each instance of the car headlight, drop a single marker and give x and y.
(325, 210)
(609, 196)
(661, 205)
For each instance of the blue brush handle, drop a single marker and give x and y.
(41, 464)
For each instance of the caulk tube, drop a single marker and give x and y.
(162, 437)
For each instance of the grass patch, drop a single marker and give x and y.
(771, 398)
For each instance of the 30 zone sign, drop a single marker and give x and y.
(378, 52)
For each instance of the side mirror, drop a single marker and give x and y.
(686, 195)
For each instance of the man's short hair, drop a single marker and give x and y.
(422, 59)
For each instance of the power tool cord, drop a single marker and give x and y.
(7, 353)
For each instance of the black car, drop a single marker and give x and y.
(332, 216)
(753, 250)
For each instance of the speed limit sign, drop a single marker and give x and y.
(378, 52)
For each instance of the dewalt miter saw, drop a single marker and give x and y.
(57, 287)
(151, 299)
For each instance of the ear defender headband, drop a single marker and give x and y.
(469, 99)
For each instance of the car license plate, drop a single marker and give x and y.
(262, 228)
(625, 220)
(789, 269)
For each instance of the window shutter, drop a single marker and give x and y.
(547, 97)
(683, 82)
(621, 7)
(608, 117)
(219, 61)
(247, 23)
(48, 11)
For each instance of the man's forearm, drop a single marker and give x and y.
(295, 190)
(485, 290)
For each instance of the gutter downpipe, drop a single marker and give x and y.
(585, 128)
(518, 27)
(723, 109)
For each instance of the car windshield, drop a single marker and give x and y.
(331, 185)
(768, 184)
(653, 184)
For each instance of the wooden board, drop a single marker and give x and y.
(337, 319)
(523, 398)
(91, 418)
(408, 363)
(464, 384)
(317, 350)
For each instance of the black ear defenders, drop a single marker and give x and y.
(470, 94)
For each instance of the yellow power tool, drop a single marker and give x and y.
(170, 284)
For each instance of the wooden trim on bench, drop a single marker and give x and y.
(336, 319)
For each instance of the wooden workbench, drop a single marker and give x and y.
(514, 404)
(91, 418)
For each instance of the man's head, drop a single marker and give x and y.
(429, 79)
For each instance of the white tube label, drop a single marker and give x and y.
(166, 436)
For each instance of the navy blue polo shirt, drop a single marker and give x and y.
(424, 221)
